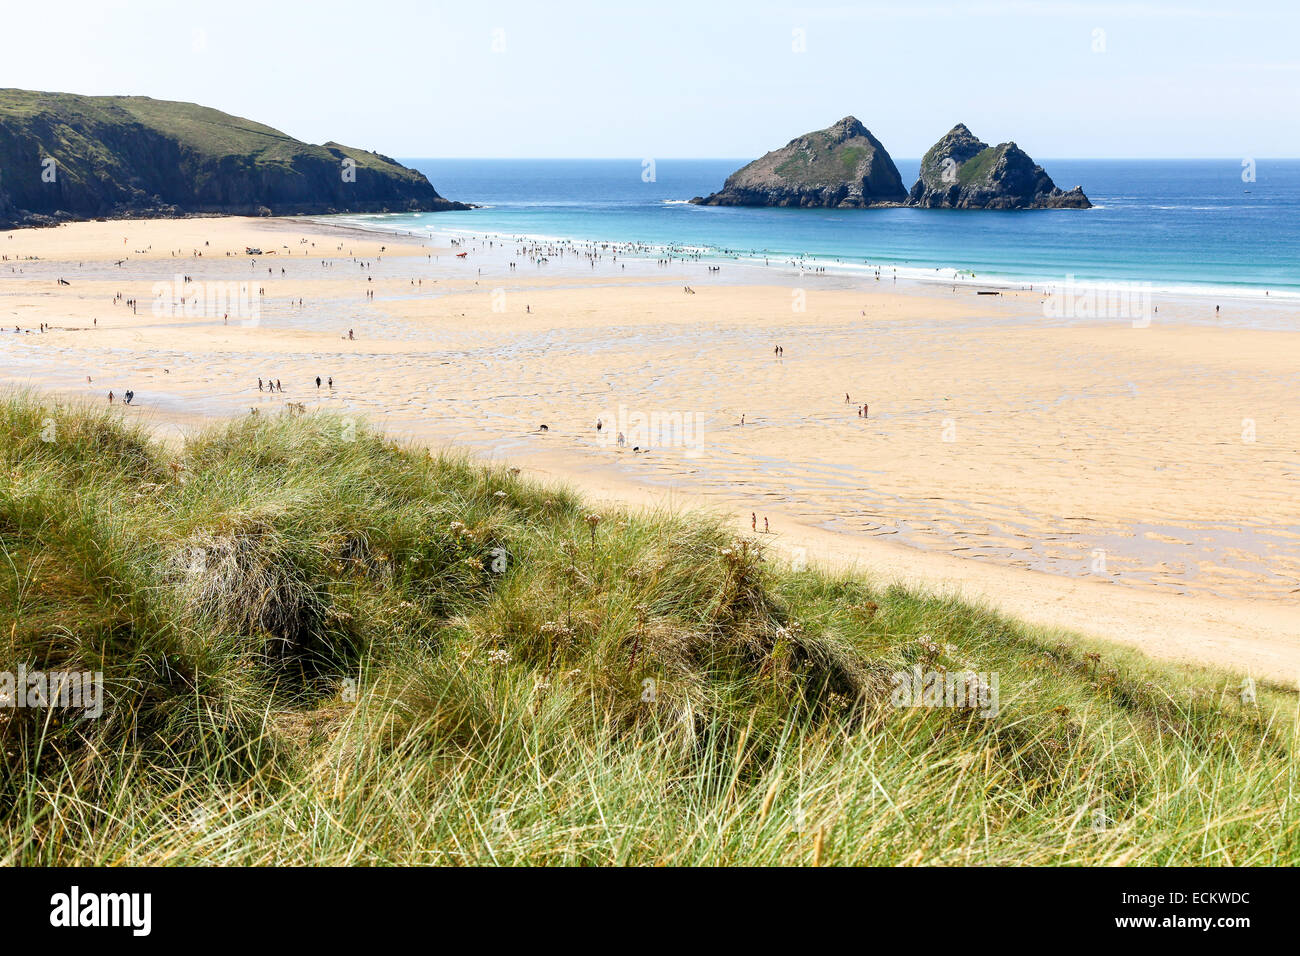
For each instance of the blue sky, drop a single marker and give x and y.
(704, 79)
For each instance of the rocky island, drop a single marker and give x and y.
(840, 167)
(961, 172)
(65, 157)
(845, 167)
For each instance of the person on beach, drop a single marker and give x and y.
(331, 382)
(110, 398)
(259, 384)
(753, 521)
(278, 386)
(766, 529)
(318, 381)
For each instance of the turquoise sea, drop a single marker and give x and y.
(1185, 226)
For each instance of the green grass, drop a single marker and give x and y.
(117, 155)
(831, 163)
(314, 652)
(977, 168)
(204, 131)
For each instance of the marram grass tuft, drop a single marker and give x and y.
(320, 647)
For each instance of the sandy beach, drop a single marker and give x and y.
(1133, 483)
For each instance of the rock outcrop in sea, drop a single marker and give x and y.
(65, 157)
(840, 167)
(961, 172)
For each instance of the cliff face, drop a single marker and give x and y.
(118, 156)
(961, 172)
(842, 167)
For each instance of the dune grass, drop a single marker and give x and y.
(319, 646)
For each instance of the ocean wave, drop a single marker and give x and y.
(1000, 276)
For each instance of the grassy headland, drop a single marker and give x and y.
(66, 156)
(318, 646)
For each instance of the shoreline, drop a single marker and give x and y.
(837, 268)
